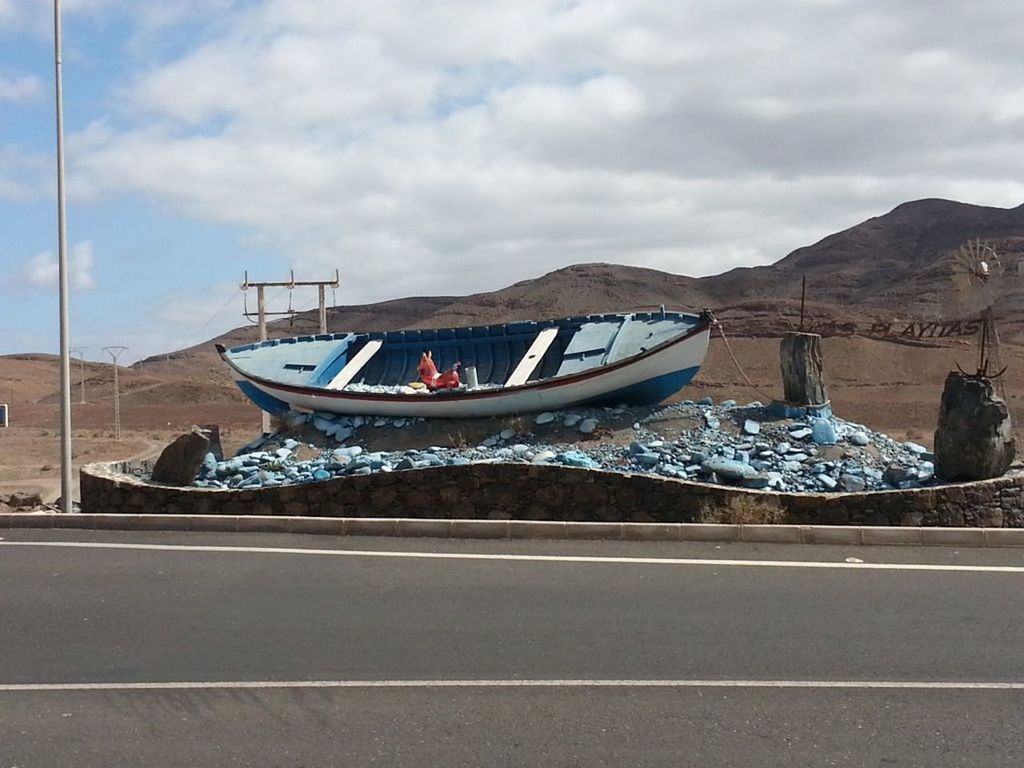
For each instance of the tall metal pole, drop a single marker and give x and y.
(62, 272)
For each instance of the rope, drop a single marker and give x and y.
(728, 348)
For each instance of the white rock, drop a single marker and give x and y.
(545, 418)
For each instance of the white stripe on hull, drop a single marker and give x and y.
(678, 357)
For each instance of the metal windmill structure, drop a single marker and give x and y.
(978, 272)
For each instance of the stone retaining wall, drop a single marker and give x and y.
(544, 492)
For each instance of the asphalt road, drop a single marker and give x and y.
(381, 656)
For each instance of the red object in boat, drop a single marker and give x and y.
(449, 379)
(428, 371)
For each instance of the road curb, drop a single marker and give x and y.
(527, 529)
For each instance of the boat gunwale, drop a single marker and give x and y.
(703, 324)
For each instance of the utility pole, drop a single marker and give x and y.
(262, 313)
(116, 352)
(80, 351)
(62, 274)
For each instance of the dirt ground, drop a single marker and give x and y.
(890, 387)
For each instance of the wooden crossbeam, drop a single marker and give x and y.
(532, 357)
(356, 364)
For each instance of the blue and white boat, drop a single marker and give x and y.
(633, 358)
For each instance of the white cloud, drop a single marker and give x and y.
(457, 145)
(42, 269)
(20, 88)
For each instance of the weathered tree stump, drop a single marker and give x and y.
(803, 382)
(974, 437)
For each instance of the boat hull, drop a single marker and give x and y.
(648, 378)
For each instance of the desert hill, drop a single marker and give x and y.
(899, 265)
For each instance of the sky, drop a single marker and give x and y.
(451, 146)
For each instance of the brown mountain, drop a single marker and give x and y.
(900, 265)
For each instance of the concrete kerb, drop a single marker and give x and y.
(526, 529)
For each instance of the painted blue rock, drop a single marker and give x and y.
(647, 459)
(759, 480)
(321, 474)
(576, 459)
(728, 469)
(341, 433)
(209, 463)
(823, 433)
(859, 438)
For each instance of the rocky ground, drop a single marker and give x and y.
(744, 445)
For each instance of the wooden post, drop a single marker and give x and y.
(262, 313)
(803, 382)
(323, 309)
(264, 423)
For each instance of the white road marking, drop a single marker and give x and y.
(528, 558)
(943, 685)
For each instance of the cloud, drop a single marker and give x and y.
(21, 88)
(458, 146)
(42, 269)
